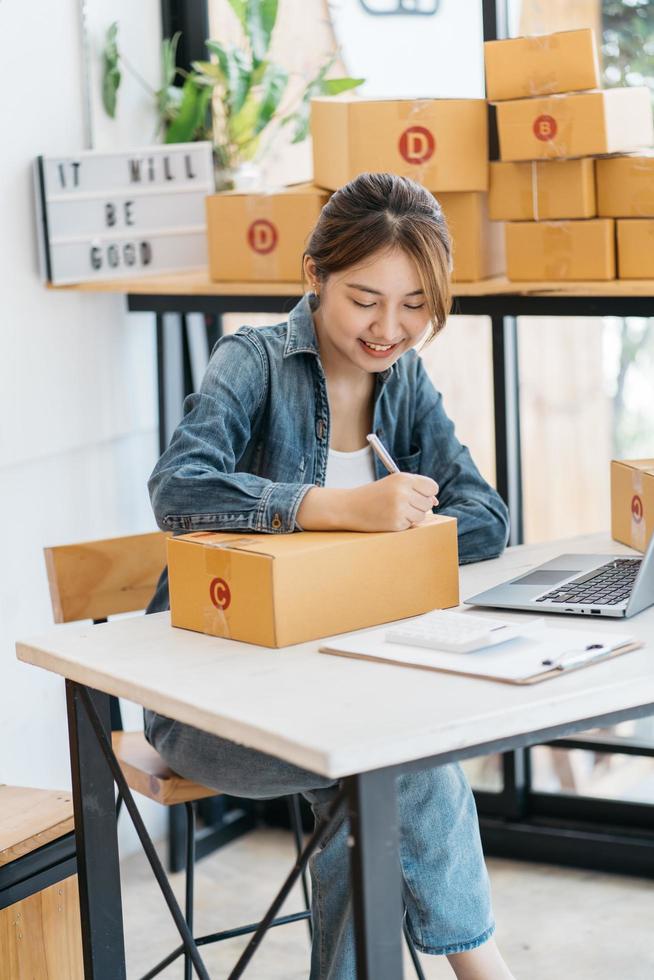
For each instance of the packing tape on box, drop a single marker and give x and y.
(643, 206)
(638, 522)
(558, 239)
(414, 115)
(262, 234)
(643, 199)
(214, 614)
(542, 83)
(534, 189)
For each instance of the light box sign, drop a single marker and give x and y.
(125, 213)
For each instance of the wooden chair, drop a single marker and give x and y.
(98, 579)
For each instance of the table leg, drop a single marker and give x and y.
(97, 842)
(376, 878)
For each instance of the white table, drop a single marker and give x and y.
(335, 716)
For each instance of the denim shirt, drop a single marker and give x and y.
(255, 438)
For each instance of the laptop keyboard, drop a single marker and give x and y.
(608, 585)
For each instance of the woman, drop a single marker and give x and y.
(274, 442)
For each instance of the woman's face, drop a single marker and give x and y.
(369, 314)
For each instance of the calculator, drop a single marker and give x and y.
(452, 632)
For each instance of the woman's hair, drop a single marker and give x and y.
(380, 211)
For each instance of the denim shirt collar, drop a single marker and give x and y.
(301, 334)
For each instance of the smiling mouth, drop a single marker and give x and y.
(380, 348)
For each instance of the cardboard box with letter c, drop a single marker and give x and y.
(278, 589)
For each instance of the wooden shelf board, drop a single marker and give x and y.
(197, 283)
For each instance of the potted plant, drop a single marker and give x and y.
(233, 99)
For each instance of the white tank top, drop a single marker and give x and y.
(345, 470)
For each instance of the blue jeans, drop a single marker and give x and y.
(445, 884)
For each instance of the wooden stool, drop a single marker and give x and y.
(39, 904)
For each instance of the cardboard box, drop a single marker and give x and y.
(625, 186)
(442, 143)
(477, 242)
(580, 125)
(279, 589)
(520, 67)
(635, 248)
(260, 237)
(632, 501)
(542, 190)
(553, 250)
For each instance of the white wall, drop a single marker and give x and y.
(77, 373)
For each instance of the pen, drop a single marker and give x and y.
(577, 658)
(382, 453)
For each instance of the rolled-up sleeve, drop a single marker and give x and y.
(195, 485)
(482, 516)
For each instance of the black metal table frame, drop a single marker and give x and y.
(372, 808)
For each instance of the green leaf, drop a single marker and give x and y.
(169, 59)
(236, 71)
(240, 7)
(207, 69)
(191, 114)
(260, 18)
(241, 125)
(274, 85)
(333, 86)
(110, 71)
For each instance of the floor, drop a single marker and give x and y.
(552, 922)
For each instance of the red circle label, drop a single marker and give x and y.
(220, 593)
(636, 508)
(417, 144)
(262, 236)
(545, 128)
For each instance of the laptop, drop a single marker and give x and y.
(588, 585)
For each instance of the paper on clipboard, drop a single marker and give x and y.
(518, 661)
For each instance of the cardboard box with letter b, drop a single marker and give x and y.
(577, 125)
(279, 589)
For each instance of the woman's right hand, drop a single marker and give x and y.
(394, 503)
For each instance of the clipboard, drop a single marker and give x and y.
(517, 661)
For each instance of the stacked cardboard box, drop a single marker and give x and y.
(625, 191)
(441, 143)
(632, 501)
(260, 237)
(552, 120)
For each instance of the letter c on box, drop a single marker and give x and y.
(636, 508)
(220, 593)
